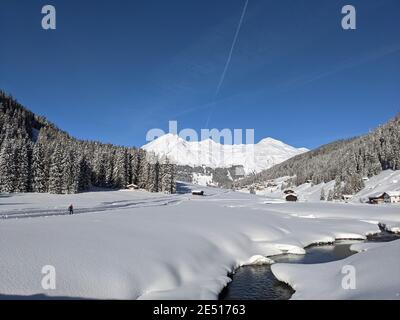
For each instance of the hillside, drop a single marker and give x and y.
(346, 162)
(387, 180)
(36, 156)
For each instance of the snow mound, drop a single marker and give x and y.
(258, 260)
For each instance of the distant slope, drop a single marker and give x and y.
(267, 153)
(346, 161)
(387, 180)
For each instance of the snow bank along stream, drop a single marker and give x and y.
(257, 282)
(182, 247)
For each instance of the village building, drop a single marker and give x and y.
(288, 191)
(132, 187)
(392, 197)
(376, 199)
(198, 192)
(291, 197)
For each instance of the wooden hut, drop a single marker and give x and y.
(377, 199)
(198, 192)
(291, 197)
(288, 191)
(392, 196)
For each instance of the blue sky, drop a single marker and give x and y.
(115, 69)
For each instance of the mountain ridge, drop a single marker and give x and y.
(253, 157)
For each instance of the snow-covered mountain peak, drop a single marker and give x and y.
(271, 141)
(253, 158)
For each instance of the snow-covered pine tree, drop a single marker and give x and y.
(7, 167)
(168, 177)
(330, 195)
(120, 170)
(109, 168)
(153, 174)
(84, 180)
(22, 155)
(142, 176)
(40, 168)
(322, 197)
(132, 166)
(337, 190)
(70, 172)
(56, 171)
(99, 169)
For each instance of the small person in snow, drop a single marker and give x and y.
(71, 209)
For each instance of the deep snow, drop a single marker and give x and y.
(136, 245)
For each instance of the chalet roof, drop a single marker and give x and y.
(288, 191)
(291, 194)
(376, 195)
(393, 193)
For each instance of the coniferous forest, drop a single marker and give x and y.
(345, 161)
(36, 156)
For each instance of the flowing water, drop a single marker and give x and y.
(259, 283)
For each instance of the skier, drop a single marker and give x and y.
(71, 209)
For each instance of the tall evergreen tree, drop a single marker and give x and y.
(40, 168)
(120, 169)
(84, 175)
(22, 166)
(56, 181)
(7, 167)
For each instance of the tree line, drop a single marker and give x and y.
(347, 162)
(36, 156)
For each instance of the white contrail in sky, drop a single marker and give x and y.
(228, 61)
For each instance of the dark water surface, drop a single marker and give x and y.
(259, 283)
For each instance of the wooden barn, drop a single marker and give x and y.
(391, 197)
(291, 197)
(198, 192)
(377, 199)
(288, 191)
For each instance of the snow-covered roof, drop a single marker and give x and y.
(288, 191)
(393, 193)
(291, 194)
(376, 195)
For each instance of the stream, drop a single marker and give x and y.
(258, 282)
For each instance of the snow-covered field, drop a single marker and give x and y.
(136, 245)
